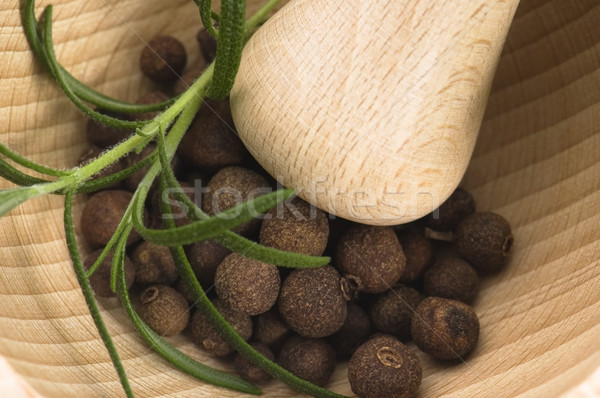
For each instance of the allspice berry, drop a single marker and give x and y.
(418, 252)
(151, 97)
(163, 59)
(383, 367)
(458, 206)
(312, 302)
(205, 256)
(106, 136)
(444, 328)
(451, 278)
(211, 141)
(353, 333)
(154, 264)
(246, 284)
(231, 186)
(102, 214)
(310, 359)
(485, 240)
(179, 208)
(100, 279)
(371, 257)
(208, 45)
(270, 329)
(189, 76)
(297, 227)
(164, 309)
(392, 311)
(208, 338)
(250, 372)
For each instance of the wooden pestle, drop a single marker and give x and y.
(370, 109)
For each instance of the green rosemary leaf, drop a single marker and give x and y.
(15, 157)
(206, 15)
(12, 197)
(59, 75)
(89, 295)
(86, 93)
(229, 47)
(269, 255)
(119, 257)
(16, 176)
(204, 229)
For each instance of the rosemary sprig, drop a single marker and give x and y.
(229, 45)
(177, 115)
(86, 93)
(31, 165)
(88, 294)
(206, 15)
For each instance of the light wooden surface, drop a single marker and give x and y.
(535, 162)
(370, 109)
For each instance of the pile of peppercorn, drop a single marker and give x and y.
(384, 287)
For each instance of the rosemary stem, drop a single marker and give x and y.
(192, 97)
(261, 14)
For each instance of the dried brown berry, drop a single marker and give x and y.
(484, 239)
(163, 59)
(295, 226)
(444, 328)
(151, 97)
(154, 264)
(182, 288)
(211, 141)
(133, 180)
(230, 187)
(451, 278)
(102, 214)
(189, 76)
(205, 256)
(207, 337)
(164, 309)
(458, 206)
(100, 279)
(179, 208)
(392, 311)
(106, 136)
(249, 371)
(310, 359)
(270, 329)
(383, 367)
(353, 333)
(208, 45)
(371, 256)
(312, 302)
(418, 252)
(247, 285)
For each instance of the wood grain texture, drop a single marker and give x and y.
(368, 109)
(535, 162)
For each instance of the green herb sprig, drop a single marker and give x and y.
(167, 129)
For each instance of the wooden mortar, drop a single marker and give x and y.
(535, 162)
